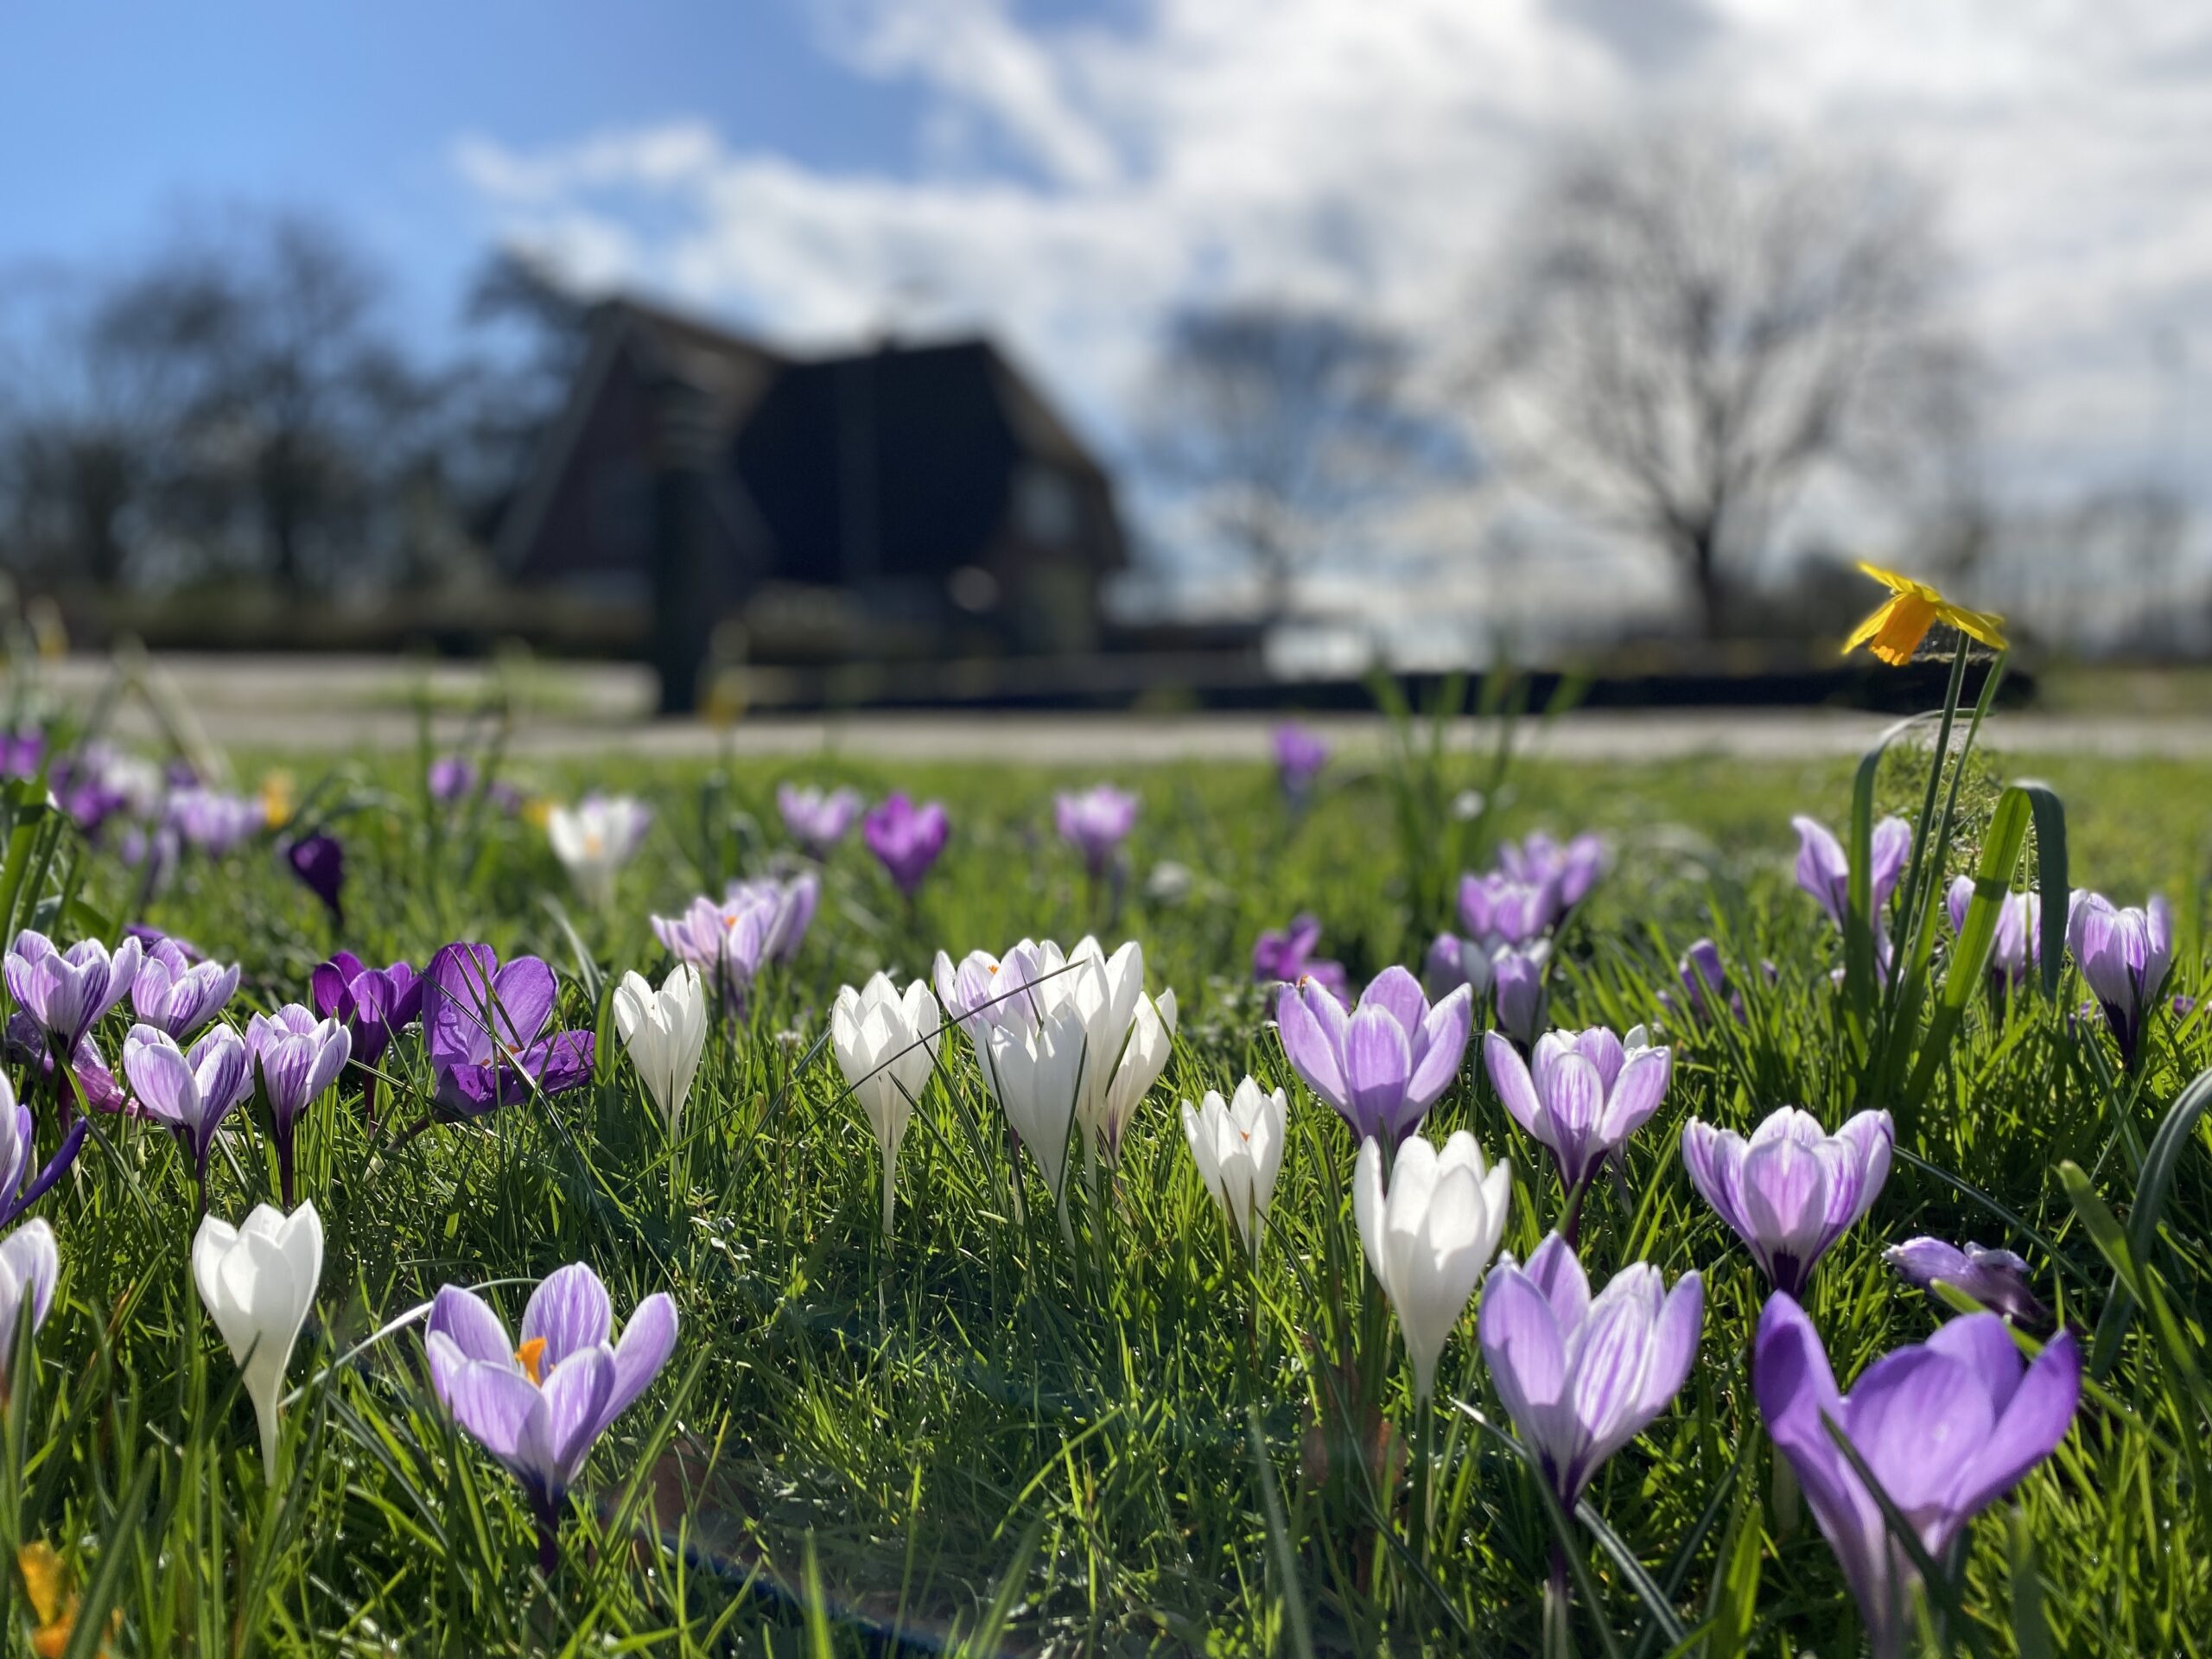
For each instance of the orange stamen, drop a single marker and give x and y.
(531, 1358)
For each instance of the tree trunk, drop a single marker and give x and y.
(1702, 549)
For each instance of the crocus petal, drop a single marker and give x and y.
(569, 1310)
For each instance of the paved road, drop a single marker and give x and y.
(343, 702)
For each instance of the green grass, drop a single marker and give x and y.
(982, 1440)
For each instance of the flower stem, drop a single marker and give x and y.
(1424, 1456)
(1559, 1626)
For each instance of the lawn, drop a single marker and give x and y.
(991, 1430)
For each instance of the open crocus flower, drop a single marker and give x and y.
(724, 943)
(1429, 1237)
(1793, 1189)
(483, 1025)
(172, 993)
(1300, 756)
(1896, 628)
(664, 1033)
(1496, 910)
(30, 1266)
(787, 910)
(67, 992)
(23, 1183)
(1824, 872)
(190, 1092)
(886, 1045)
(1383, 1064)
(1581, 1093)
(1996, 1278)
(1582, 1377)
(1238, 1146)
(540, 1406)
(2125, 955)
(2018, 951)
(1095, 821)
(1569, 869)
(906, 838)
(298, 1056)
(257, 1282)
(817, 819)
(594, 839)
(1945, 1426)
(374, 1004)
(1285, 956)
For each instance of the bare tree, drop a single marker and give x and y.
(1283, 421)
(1694, 324)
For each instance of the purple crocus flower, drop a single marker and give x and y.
(192, 1091)
(540, 1406)
(1496, 911)
(297, 1057)
(23, 1183)
(1581, 1093)
(1996, 1278)
(1704, 979)
(212, 822)
(1096, 821)
(1285, 956)
(1825, 873)
(1945, 1426)
(320, 863)
(787, 910)
(1793, 1189)
(2018, 948)
(1569, 870)
(450, 778)
(67, 992)
(906, 838)
(817, 819)
(1300, 756)
(22, 754)
(1581, 1375)
(374, 1004)
(152, 852)
(483, 1024)
(1517, 981)
(2125, 955)
(1383, 1064)
(173, 992)
(725, 943)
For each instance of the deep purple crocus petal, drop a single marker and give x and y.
(570, 1310)
(648, 1338)
(559, 1062)
(455, 1021)
(466, 1320)
(406, 1005)
(328, 985)
(523, 994)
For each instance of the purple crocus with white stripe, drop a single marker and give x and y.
(1095, 821)
(2125, 955)
(297, 1057)
(172, 993)
(540, 1405)
(788, 907)
(1824, 872)
(1793, 1189)
(817, 819)
(1581, 1375)
(67, 992)
(484, 1025)
(1383, 1064)
(1580, 1095)
(1944, 1427)
(906, 838)
(191, 1090)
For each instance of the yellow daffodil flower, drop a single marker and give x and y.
(55, 1611)
(277, 799)
(1901, 621)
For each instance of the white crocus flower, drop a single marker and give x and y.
(886, 1045)
(257, 1282)
(596, 838)
(1238, 1149)
(1038, 1070)
(1430, 1236)
(664, 1033)
(1143, 1058)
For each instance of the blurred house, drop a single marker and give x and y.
(917, 502)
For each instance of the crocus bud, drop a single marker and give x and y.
(257, 1282)
(297, 1057)
(1792, 1190)
(2125, 955)
(1996, 1278)
(1429, 1237)
(30, 1266)
(1237, 1146)
(1518, 977)
(886, 1045)
(664, 1033)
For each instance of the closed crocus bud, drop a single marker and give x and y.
(1036, 1071)
(594, 839)
(1996, 1278)
(1152, 1037)
(174, 994)
(1518, 977)
(664, 1031)
(1824, 870)
(1581, 1093)
(1429, 1237)
(192, 1091)
(1580, 1377)
(30, 1266)
(318, 861)
(1237, 1146)
(1793, 1189)
(2125, 955)
(257, 1282)
(886, 1045)
(298, 1056)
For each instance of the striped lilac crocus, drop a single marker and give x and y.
(191, 1090)
(1383, 1064)
(539, 1406)
(2125, 955)
(1299, 755)
(1824, 872)
(1569, 869)
(1792, 1189)
(298, 1058)
(1285, 956)
(67, 992)
(22, 1182)
(1996, 1278)
(1580, 1095)
(172, 993)
(726, 943)
(905, 839)
(484, 1024)
(1517, 978)
(788, 908)
(1498, 910)
(1582, 1376)
(1095, 821)
(2018, 951)
(816, 819)
(1945, 1427)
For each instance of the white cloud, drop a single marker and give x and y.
(1369, 151)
